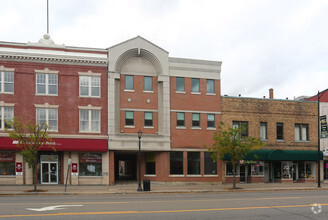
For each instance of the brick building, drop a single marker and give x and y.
(289, 130)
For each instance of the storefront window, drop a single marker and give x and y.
(210, 164)
(258, 169)
(150, 163)
(325, 168)
(193, 163)
(229, 169)
(90, 164)
(310, 170)
(287, 167)
(277, 170)
(7, 163)
(301, 170)
(176, 163)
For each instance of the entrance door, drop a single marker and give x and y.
(49, 173)
(295, 176)
(242, 173)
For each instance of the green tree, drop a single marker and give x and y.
(30, 137)
(230, 143)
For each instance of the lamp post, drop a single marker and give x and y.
(319, 135)
(139, 182)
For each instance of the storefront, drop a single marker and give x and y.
(274, 166)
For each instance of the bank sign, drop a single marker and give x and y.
(323, 126)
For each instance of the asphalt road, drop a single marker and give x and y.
(241, 205)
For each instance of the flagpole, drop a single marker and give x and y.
(47, 16)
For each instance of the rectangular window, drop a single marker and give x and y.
(195, 119)
(48, 116)
(176, 163)
(180, 119)
(280, 131)
(148, 119)
(210, 164)
(129, 82)
(193, 163)
(243, 125)
(129, 118)
(258, 169)
(6, 82)
(210, 120)
(301, 132)
(89, 120)
(148, 83)
(150, 163)
(263, 131)
(287, 169)
(6, 115)
(310, 170)
(7, 163)
(180, 84)
(210, 86)
(229, 169)
(195, 85)
(46, 84)
(90, 86)
(90, 164)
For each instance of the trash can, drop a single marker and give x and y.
(146, 185)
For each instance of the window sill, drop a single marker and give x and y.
(182, 128)
(90, 177)
(196, 128)
(46, 95)
(194, 175)
(257, 175)
(281, 141)
(149, 127)
(7, 93)
(7, 176)
(302, 141)
(232, 175)
(128, 90)
(212, 94)
(211, 175)
(150, 175)
(265, 140)
(177, 175)
(211, 129)
(196, 93)
(180, 92)
(89, 132)
(94, 97)
(148, 91)
(129, 126)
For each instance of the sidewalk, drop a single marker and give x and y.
(156, 187)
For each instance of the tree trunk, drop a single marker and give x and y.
(35, 171)
(234, 174)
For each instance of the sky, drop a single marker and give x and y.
(263, 44)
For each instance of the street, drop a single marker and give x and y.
(235, 205)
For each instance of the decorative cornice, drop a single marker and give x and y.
(46, 105)
(89, 107)
(47, 71)
(2, 68)
(89, 73)
(3, 104)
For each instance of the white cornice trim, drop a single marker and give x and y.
(2, 68)
(89, 107)
(3, 104)
(47, 71)
(45, 105)
(89, 73)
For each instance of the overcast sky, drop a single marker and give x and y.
(280, 44)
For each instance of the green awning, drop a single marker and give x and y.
(281, 155)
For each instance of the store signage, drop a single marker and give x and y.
(324, 127)
(74, 169)
(7, 157)
(90, 158)
(19, 168)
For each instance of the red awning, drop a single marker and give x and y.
(62, 144)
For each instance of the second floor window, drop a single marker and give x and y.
(6, 115)
(211, 121)
(263, 131)
(48, 116)
(195, 119)
(195, 85)
(89, 120)
(301, 132)
(129, 118)
(90, 86)
(6, 82)
(180, 84)
(46, 84)
(280, 131)
(129, 82)
(180, 119)
(243, 125)
(148, 83)
(210, 86)
(148, 119)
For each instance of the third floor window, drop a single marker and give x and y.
(180, 84)
(46, 84)
(129, 82)
(148, 83)
(210, 86)
(90, 86)
(195, 85)
(301, 132)
(6, 82)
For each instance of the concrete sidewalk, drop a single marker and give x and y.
(156, 187)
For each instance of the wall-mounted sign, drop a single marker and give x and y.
(324, 127)
(74, 169)
(19, 168)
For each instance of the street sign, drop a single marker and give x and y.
(323, 126)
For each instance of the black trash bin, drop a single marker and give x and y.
(146, 185)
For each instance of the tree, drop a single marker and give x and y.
(230, 143)
(30, 137)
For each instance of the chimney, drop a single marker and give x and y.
(271, 93)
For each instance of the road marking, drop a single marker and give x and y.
(51, 208)
(164, 211)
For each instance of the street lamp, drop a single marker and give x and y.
(139, 182)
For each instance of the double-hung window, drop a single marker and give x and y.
(263, 131)
(301, 132)
(148, 83)
(6, 81)
(210, 86)
(280, 131)
(180, 84)
(195, 85)
(148, 119)
(47, 116)
(89, 120)
(243, 125)
(89, 86)
(128, 82)
(46, 84)
(196, 120)
(210, 120)
(129, 118)
(180, 119)
(6, 115)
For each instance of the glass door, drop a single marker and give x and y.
(49, 173)
(242, 173)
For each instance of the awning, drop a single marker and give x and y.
(62, 144)
(281, 155)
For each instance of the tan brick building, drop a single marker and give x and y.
(289, 130)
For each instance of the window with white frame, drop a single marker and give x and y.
(210, 86)
(90, 86)
(196, 120)
(263, 131)
(6, 81)
(210, 120)
(301, 132)
(148, 119)
(129, 118)
(195, 85)
(47, 116)
(180, 84)
(46, 84)
(128, 82)
(257, 169)
(180, 119)
(6, 115)
(148, 83)
(89, 120)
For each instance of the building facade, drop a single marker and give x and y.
(288, 129)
